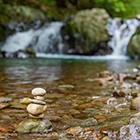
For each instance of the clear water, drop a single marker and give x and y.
(19, 76)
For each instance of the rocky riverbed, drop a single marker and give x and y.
(86, 99)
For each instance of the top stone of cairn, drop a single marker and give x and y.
(38, 92)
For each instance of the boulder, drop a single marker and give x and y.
(87, 30)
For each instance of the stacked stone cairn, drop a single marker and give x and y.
(36, 123)
(37, 107)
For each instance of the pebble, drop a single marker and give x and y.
(74, 130)
(38, 91)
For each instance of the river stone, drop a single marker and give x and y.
(129, 132)
(135, 104)
(74, 130)
(126, 86)
(80, 122)
(38, 91)
(41, 98)
(34, 126)
(36, 109)
(104, 74)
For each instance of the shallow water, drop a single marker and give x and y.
(78, 101)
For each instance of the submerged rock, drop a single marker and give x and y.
(80, 122)
(34, 126)
(3, 99)
(6, 127)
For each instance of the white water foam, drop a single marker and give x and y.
(63, 56)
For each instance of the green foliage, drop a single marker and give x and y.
(49, 2)
(120, 8)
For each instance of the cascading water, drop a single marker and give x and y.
(121, 34)
(47, 40)
(41, 40)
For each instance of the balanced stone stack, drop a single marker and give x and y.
(36, 109)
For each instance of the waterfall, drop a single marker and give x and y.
(121, 34)
(47, 40)
(41, 40)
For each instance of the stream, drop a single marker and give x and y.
(72, 94)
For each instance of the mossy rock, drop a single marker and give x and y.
(134, 46)
(88, 28)
(34, 126)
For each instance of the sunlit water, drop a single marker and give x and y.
(19, 76)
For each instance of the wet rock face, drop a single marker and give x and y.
(133, 47)
(129, 132)
(34, 126)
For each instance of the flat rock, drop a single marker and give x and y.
(34, 126)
